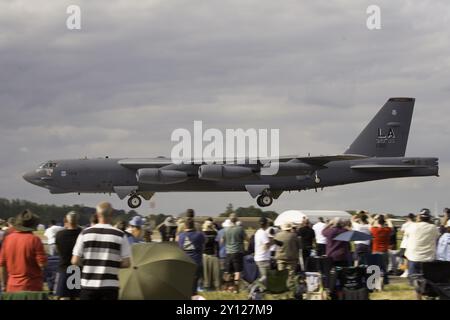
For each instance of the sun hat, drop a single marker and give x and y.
(286, 226)
(227, 223)
(170, 222)
(26, 221)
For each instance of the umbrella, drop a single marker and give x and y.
(353, 235)
(290, 216)
(159, 271)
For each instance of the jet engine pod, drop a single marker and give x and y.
(220, 172)
(160, 176)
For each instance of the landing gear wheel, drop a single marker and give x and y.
(264, 200)
(134, 202)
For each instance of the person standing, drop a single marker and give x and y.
(443, 247)
(381, 232)
(262, 249)
(234, 238)
(321, 241)
(50, 233)
(211, 268)
(136, 231)
(221, 242)
(168, 229)
(287, 252)
(307, 235)
(421, 246)
(22, 258)
(192, 242)
(65, 241)
(104, 250)
(360, 222)
(338, 251)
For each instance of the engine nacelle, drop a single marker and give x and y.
(160, 176)
(221, 172)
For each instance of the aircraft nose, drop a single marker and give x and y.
(30, 177)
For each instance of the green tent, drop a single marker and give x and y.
(159, 271)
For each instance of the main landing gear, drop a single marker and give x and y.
(134, 201)
(264, 200)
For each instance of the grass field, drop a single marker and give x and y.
(399, 289)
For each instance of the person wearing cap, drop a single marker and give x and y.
(211, 268)
(136, 224)
(287, 252)
(168, 229)
(421, 246)
(443, 247)
(263, 241)
(65, 241)
(23, 258)
(234, 238)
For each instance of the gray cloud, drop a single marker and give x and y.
(136, 71)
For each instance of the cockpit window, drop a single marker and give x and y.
(48, 165)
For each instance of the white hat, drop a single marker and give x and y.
(227, 223)
(286, 226)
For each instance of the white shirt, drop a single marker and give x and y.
(51, 232)
(103, 247)
(318, 228)
(364, 228)
(262, 252)
(405, 226)
(421, 246)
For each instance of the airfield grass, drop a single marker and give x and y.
(398, 290)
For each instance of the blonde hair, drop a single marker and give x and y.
(104, 209)
(72, 218)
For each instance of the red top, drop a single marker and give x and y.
(22, 254)
(381, 237)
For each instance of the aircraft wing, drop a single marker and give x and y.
(384, 168)
(311, 160)
(322, 160)
(145, 163)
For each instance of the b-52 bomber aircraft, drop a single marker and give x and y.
(377, 153)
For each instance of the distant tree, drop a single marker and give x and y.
(252, 211)
(229, 209)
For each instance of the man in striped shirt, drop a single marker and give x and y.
(102, 250)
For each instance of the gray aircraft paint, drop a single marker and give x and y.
(376, 154)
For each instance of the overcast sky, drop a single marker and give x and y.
(137, 70)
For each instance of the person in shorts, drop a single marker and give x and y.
(234, 238)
